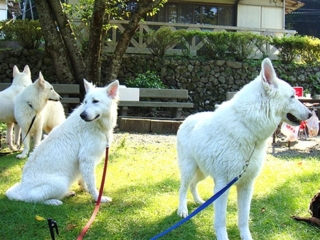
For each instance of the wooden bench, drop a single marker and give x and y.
(69, 93)
(165, 98)
(175, 99)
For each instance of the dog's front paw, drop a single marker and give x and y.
(182, 212)
(55, 202)
(70, 194)
(21, 156)
(105, 199)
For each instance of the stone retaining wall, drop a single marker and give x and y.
(207, 81)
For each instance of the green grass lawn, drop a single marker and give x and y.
(143, 180)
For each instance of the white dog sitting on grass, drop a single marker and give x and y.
(71, 151)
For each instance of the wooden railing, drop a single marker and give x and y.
(138, 44)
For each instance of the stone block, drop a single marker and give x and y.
(134, 125)
(164, 126)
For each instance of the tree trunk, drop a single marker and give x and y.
(144, 6)
(96, 40)
(53, 42)
(73, 51)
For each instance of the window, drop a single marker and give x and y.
(196, 14)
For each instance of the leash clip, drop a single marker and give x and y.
(53, 225)
(244, 169)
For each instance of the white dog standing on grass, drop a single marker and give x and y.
(41, 102)
(7, 97)
(219, 143)
(71, 151)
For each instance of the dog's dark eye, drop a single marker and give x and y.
(293, 96)
(95, 101)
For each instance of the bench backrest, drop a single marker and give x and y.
(163, 93)
(59, 88)
(230, 95)
(3, 86)
(67, 88)
(69, 93)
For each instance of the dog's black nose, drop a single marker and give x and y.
(83, 115)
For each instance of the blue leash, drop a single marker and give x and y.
(199, 209)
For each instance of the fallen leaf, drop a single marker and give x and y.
(39, 218)
(70, 226)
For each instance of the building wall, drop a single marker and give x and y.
(260, 14)
(3, 10)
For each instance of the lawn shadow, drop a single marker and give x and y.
(155, 221)
(273, 212)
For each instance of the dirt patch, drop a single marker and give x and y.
(303, 148)
(307, 147)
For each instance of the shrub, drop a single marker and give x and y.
(216, 44)
(289, 47)
(26, 32)
(185, 39)
(244, 44)
(147, 80)
(310, 54)
(161, 40)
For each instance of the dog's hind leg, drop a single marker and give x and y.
(48, 193)
(244, 195)
(37, 136)
(9, 135)
(26, 146)
(17, 132)
(220, 211)
(199, 176)
(188, 171)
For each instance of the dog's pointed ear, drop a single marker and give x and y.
(113, 89)
(87, 85)
(15, 70)
(27, 70)
(41, 81)
(268, 74)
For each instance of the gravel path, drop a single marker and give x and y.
(306, 147)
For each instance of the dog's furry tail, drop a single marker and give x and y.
(310, 220)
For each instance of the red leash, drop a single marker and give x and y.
(96, 209)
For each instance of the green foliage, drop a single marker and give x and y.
(161, 40)
(82, 11)
(147, 80)
(237, 46)
(186, 37)
(216, 44)
(289, 47)
(26, 32)
(244, 44)
(310, 54)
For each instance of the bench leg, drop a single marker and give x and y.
(123, 111)
(176, 112)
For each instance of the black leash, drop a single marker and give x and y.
(32, 121)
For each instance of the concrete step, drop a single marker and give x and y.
(146, 125)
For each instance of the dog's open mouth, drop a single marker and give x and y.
(90, 120)
(54, 100)
(293, 119)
